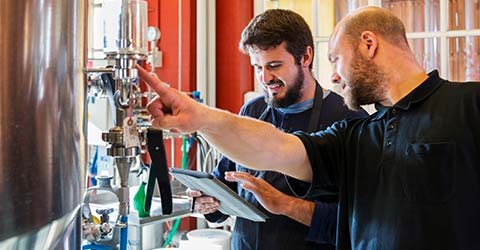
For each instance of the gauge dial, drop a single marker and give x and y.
(153, 33)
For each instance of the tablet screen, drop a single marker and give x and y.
(230, 202)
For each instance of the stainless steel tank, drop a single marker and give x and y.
(42, 122)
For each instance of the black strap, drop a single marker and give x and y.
(158, 171)
(316, 110)
(264, 113)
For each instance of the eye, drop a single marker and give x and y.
(274, 66)
(332, 58)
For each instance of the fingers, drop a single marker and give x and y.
(155, 107)
(152, 80)
(193, 193)
(206, 204)
(238, 176)
(158, 106)
(171, 109)
(246, 180)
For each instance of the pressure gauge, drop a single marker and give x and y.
(153, 33)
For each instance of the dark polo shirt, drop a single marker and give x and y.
(408, 176)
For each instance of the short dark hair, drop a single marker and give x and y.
(272, 27)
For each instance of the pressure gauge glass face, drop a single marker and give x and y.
(153, 33)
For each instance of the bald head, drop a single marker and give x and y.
(377, 20)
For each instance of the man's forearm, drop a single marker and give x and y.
(256, 144)
(299, 210)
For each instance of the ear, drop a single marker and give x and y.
(307, 57)
(370, 41)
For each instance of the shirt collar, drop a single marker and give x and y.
(302, 106)
(297, 107)
(417, 95)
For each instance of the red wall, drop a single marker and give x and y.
(164, 15)
(234, 72)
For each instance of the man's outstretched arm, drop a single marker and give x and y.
(244, 140)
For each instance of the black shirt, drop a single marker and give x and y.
(408, 176)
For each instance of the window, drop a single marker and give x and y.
(444, 34)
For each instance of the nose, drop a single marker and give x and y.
(266, 76)
(335, 78)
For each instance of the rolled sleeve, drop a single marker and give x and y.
(322, 153)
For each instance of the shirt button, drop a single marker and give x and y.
(391, 126)
(394, 111)
(389, 143)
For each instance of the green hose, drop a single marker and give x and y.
(172, 232)
(139, 201)
(184, 152)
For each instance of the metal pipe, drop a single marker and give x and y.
(99, 70)
(125, 26)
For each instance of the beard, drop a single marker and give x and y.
(366, 83)
(292, 94)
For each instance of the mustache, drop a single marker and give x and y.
(275, 81)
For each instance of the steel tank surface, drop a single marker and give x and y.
(42, 122)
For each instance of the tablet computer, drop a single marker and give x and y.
(230, 202)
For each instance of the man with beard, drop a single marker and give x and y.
(280, 46)
(408, 176)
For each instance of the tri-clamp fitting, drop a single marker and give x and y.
(116, 147)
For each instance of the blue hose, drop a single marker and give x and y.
(124, 233)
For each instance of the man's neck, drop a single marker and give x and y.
(404, 86)
(308, 88)
(401, 79)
